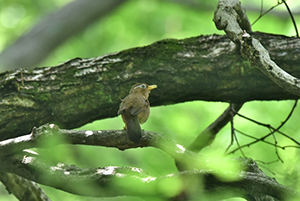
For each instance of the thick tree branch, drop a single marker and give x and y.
(34, 46)
(114, 181)
(107, 138)
(83, 90)
(227, 17)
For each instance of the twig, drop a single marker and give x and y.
(253, 120)
(276, 149)
(231, 128)
(206, 137)
(263, 165)
(268, 125)
(291, 146)
(258, 139)
(233, 135)
(273, 130)
(289, 115)
(262, 14)
(226, 18)
(292, 17)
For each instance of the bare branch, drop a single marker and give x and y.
(260, 139)
(292, 17)
(107, 138)
(206, 137)
(227, 18)
(233, 135)
(264, 13)
(273, 131)
(114, 181)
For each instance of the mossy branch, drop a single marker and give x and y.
(228, 17)
(82, 90)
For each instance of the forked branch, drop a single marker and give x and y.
(206, 137)
(227, 17)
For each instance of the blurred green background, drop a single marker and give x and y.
(142, 22)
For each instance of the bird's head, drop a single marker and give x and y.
(142, 88)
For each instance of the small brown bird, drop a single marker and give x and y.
(135, 110)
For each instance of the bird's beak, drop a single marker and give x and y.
(150, 87)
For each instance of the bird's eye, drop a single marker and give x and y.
(141, 86)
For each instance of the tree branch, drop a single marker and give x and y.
(206, 137)
(22, 188)
(107, 138)
(227, 18)
(83, 90)
(114, 181)
(34, 46)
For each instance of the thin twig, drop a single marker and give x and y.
(268, 125)
(267, 163)
(207, 136)
(291, 146)
(232, 128)
(261, 7)
(266, 142)
(238, 144)
(292, 17)
(273, 130)
(262, 14)
(233, 135)
(276, 149)
(289, 115)
(263, 164)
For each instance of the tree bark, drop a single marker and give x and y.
(22, 188)
(250, 182)
(231, 17)
(82, 90)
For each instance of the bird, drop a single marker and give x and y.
(135, 110)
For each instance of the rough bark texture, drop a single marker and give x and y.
(231, 17)
(83, 90)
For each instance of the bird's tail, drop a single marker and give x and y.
(134, 131)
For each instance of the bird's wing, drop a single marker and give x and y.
(139, 106)
(122, 106)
